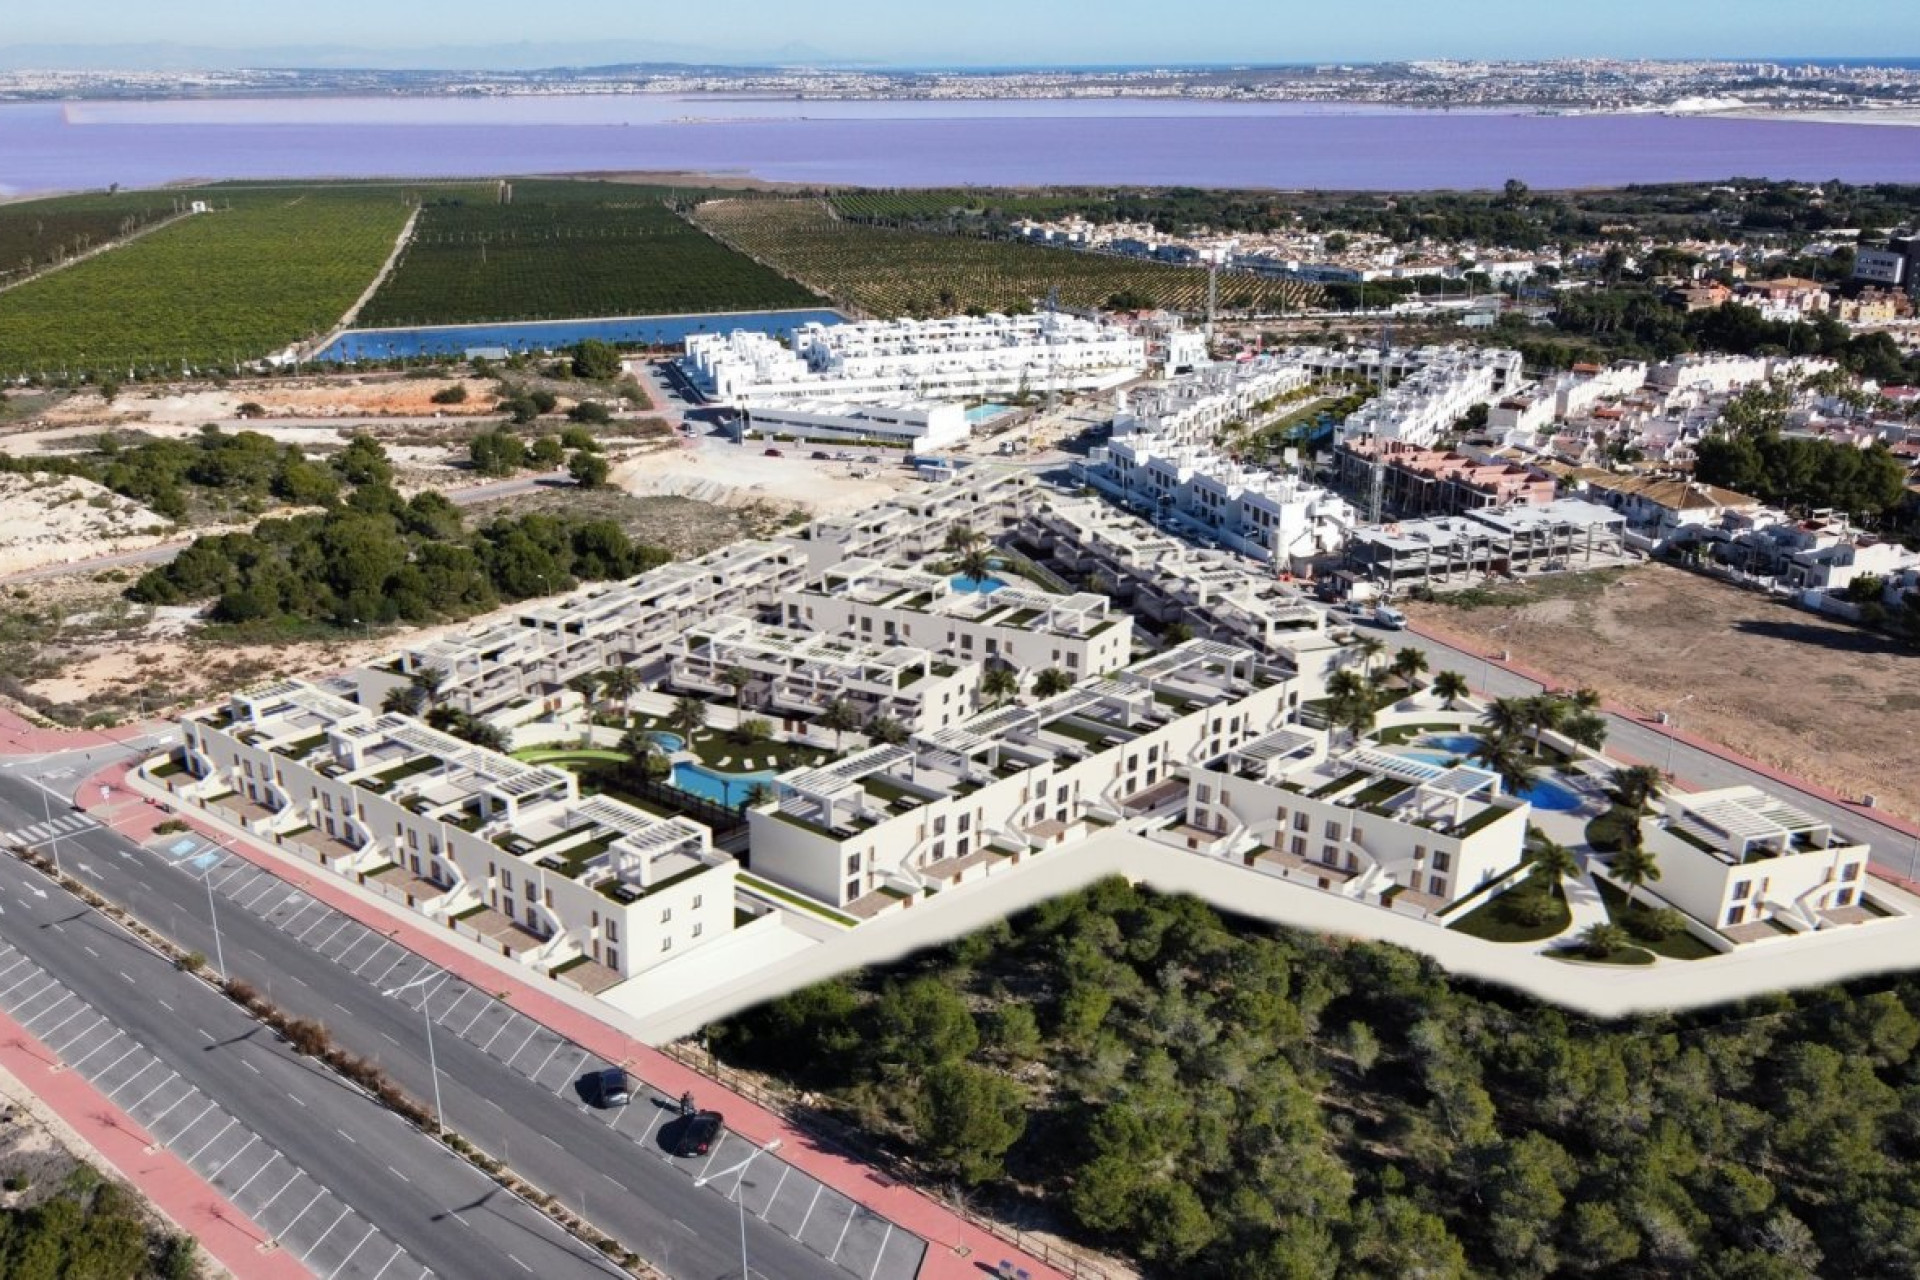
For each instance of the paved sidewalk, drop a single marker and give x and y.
(20, 736)
(162, 1177)
(956, 1249)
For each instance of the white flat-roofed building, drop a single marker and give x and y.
(918, 426)
(958, 357)
(1192, 408)
(1367, 823)
(1737, 856)
(505, 852)
(1028, 630)
(1011, 783)
(1427, 402)
(798, 673)
(1561, 534)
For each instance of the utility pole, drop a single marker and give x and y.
(433, 1062)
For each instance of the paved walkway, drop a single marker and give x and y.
(162, 1177)
(956, 1249)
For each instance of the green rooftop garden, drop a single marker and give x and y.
(1487, 816)
(1338, 784)
(1381, 790)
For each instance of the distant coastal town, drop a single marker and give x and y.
(1852, 90)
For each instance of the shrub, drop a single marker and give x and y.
(306, 1037)
(190, 962)
(170, 827)
(455, 394)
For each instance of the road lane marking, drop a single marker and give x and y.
(396, 1173)
(249, 1066)
(164, 1005)
(523, 1266)
(349, 1137)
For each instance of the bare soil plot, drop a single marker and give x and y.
(1816, 697)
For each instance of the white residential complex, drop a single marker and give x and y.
(1738, 857)
(920, 426)
(898, 361)
(1425, 404)
(1191, 409)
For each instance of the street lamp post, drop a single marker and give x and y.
(46, 804)
(1672, 727)
(219, 953)
(433, 1062)
(740, 1199)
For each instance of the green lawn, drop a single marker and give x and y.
(561, 755)
(1681, 946)
(1606, 832)
(1622, 955)
(1500, 920)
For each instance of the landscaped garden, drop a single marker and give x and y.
(1525, 913)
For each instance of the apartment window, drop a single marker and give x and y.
(1442, 861)
(1740, 889)
(1279, 816)
(666, 944)
(416, 864)
(613, 957)
(413, 839)
(1357, 836)
(326, 802)
(1419, 852)
(613, 929)
(966, 822)
(853, 863)
(1299, 846)
(853, 890)
(666, 914)
(1333, 829)
(1850, 872)
(1736, 915)
(696, 900)
(1301, 822)
(1437, 886)
(549, 897)
(506, 881)
(940, 825)
(1330, 854)
(697, 929)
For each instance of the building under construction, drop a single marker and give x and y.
(1567, 533)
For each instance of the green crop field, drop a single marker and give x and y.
(562, 250)
(39, 233)
(265, 268)
(887, 271)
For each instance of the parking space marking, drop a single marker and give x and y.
(116, 1062)
(81, 1012)
(284, 1231)
(573, 1074)
(182, 1131)
(785, 1169)
(210, 1141)
(851, 1210)
(349, 1258)
(324, 1234)
(321, 946)
(532, 1031)
(484, 1006)
(259, 1215)
(171, 1077)
(370, 959)
(117, 1033)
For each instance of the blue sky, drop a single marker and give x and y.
(1004, 31)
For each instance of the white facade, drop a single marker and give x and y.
(918, 426)
(1192, 408)
(1426, 404)
(959, 357)
(1737, 856)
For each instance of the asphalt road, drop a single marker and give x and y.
(166, 551)
(1894, 851)
(334, 971)
(343, 1184)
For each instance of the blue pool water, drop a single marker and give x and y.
(1545, 794)
(982, 586)
(669, 742)
(1458, 743)
(722, 788)
(985, 412)
(550, 335)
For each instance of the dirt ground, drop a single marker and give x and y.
(47, 517)
(371, 396)
(1811, 695)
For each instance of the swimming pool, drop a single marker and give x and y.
(1459, 743)
(668, 742)
(727, 789)
(1549, 795)
(985, 413)
(981, 586)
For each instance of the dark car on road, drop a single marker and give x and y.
(608, 1088)
(773, 453)
(699, 1134)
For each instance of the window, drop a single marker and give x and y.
(1299, 846)
(697, 929)
(413, 839)
(666, 944)
(1442, 860)
(1301, 822)
(697, 899)
(506, 881)
(1279, 816)
(1437, 886)
(1740, 889)
(613, 957)
(1330, 854)
(1850, 872)
(1333, 829)
(1736, 915)
(1358, 836)
(613, 929)
(853, 890)
(1843, 898)
(853, 863)
(1419, 852)
(666, 915)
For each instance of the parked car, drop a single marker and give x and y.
(609, 1088)
(820, 455)
(872, 460)
(774, 453)
(1391, 619)
(699, 1134)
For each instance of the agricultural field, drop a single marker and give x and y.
(886, 271)
(37, 234)
(266, 267)
(557, 252)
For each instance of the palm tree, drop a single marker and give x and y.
(1505, 757)
(621, 683)
(1544, 711)
(1585, 699)
(999, 683)
(405, 699)
(1633, 865)
(1051, 683)
(1408, 665)
(976, 565)
(758, 794)
(1602, 938)
(884, 728)
(1505, 718)
(839, 716)
(1553, 860)
(1369, 648)
(736, 678)
(431, 682)
(753, 729)
(689, 715)
(1587, 728)
(1350, 698)
(1451, 686)
(963, 537)
(587, 685)
(1633, 786)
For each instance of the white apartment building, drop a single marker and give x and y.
(889, 361)
(1724, 373)
(1260, 513)
(1739, 857)
(1014, 782)
(1191, 409)
(1031, 631)
(507, 853)
(795, 674)
(1427, 402)
(1367, 823)
(920, 425)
